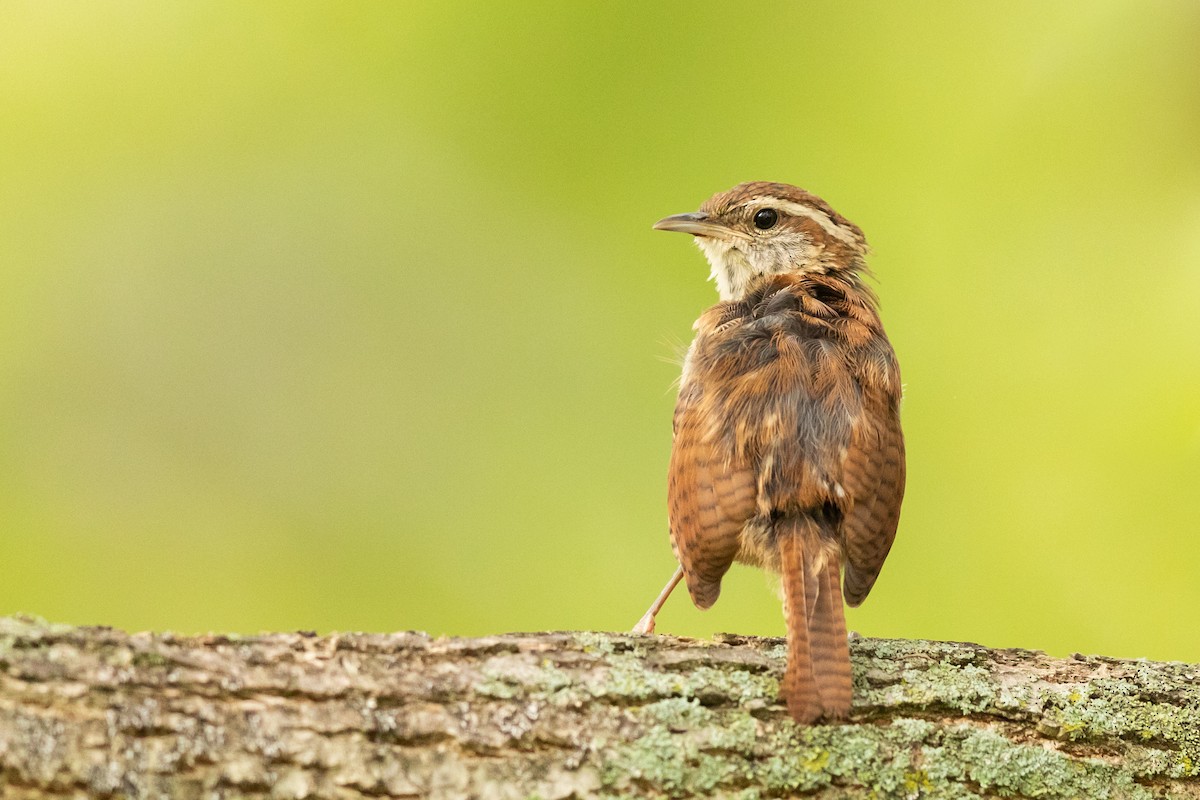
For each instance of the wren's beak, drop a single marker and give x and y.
(694, 223)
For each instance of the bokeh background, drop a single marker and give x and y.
(350, 316)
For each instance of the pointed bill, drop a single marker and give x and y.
(695, 223)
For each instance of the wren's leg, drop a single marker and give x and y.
(646, 623)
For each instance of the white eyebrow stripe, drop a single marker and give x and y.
(816, 215)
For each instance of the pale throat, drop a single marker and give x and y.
(735, 268)
(731, 271)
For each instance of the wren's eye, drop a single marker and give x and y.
(766, 218)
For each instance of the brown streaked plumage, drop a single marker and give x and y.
(788, 453)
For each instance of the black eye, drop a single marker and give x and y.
(766, 218)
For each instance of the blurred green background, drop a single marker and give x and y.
(349, 316)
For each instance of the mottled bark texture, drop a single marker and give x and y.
(101, 713)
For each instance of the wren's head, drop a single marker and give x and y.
(761, 228)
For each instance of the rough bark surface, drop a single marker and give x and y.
(99, 713)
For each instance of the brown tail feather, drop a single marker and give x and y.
(799, 686)
(817, 680)
(827, 640)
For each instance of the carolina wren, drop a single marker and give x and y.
(787, 452)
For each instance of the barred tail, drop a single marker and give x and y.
(817, 680)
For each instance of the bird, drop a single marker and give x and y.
(787, 452)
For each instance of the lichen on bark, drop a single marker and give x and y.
(98, 712)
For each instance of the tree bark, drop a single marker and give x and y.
(94, 712)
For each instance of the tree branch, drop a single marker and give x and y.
(98, 712)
